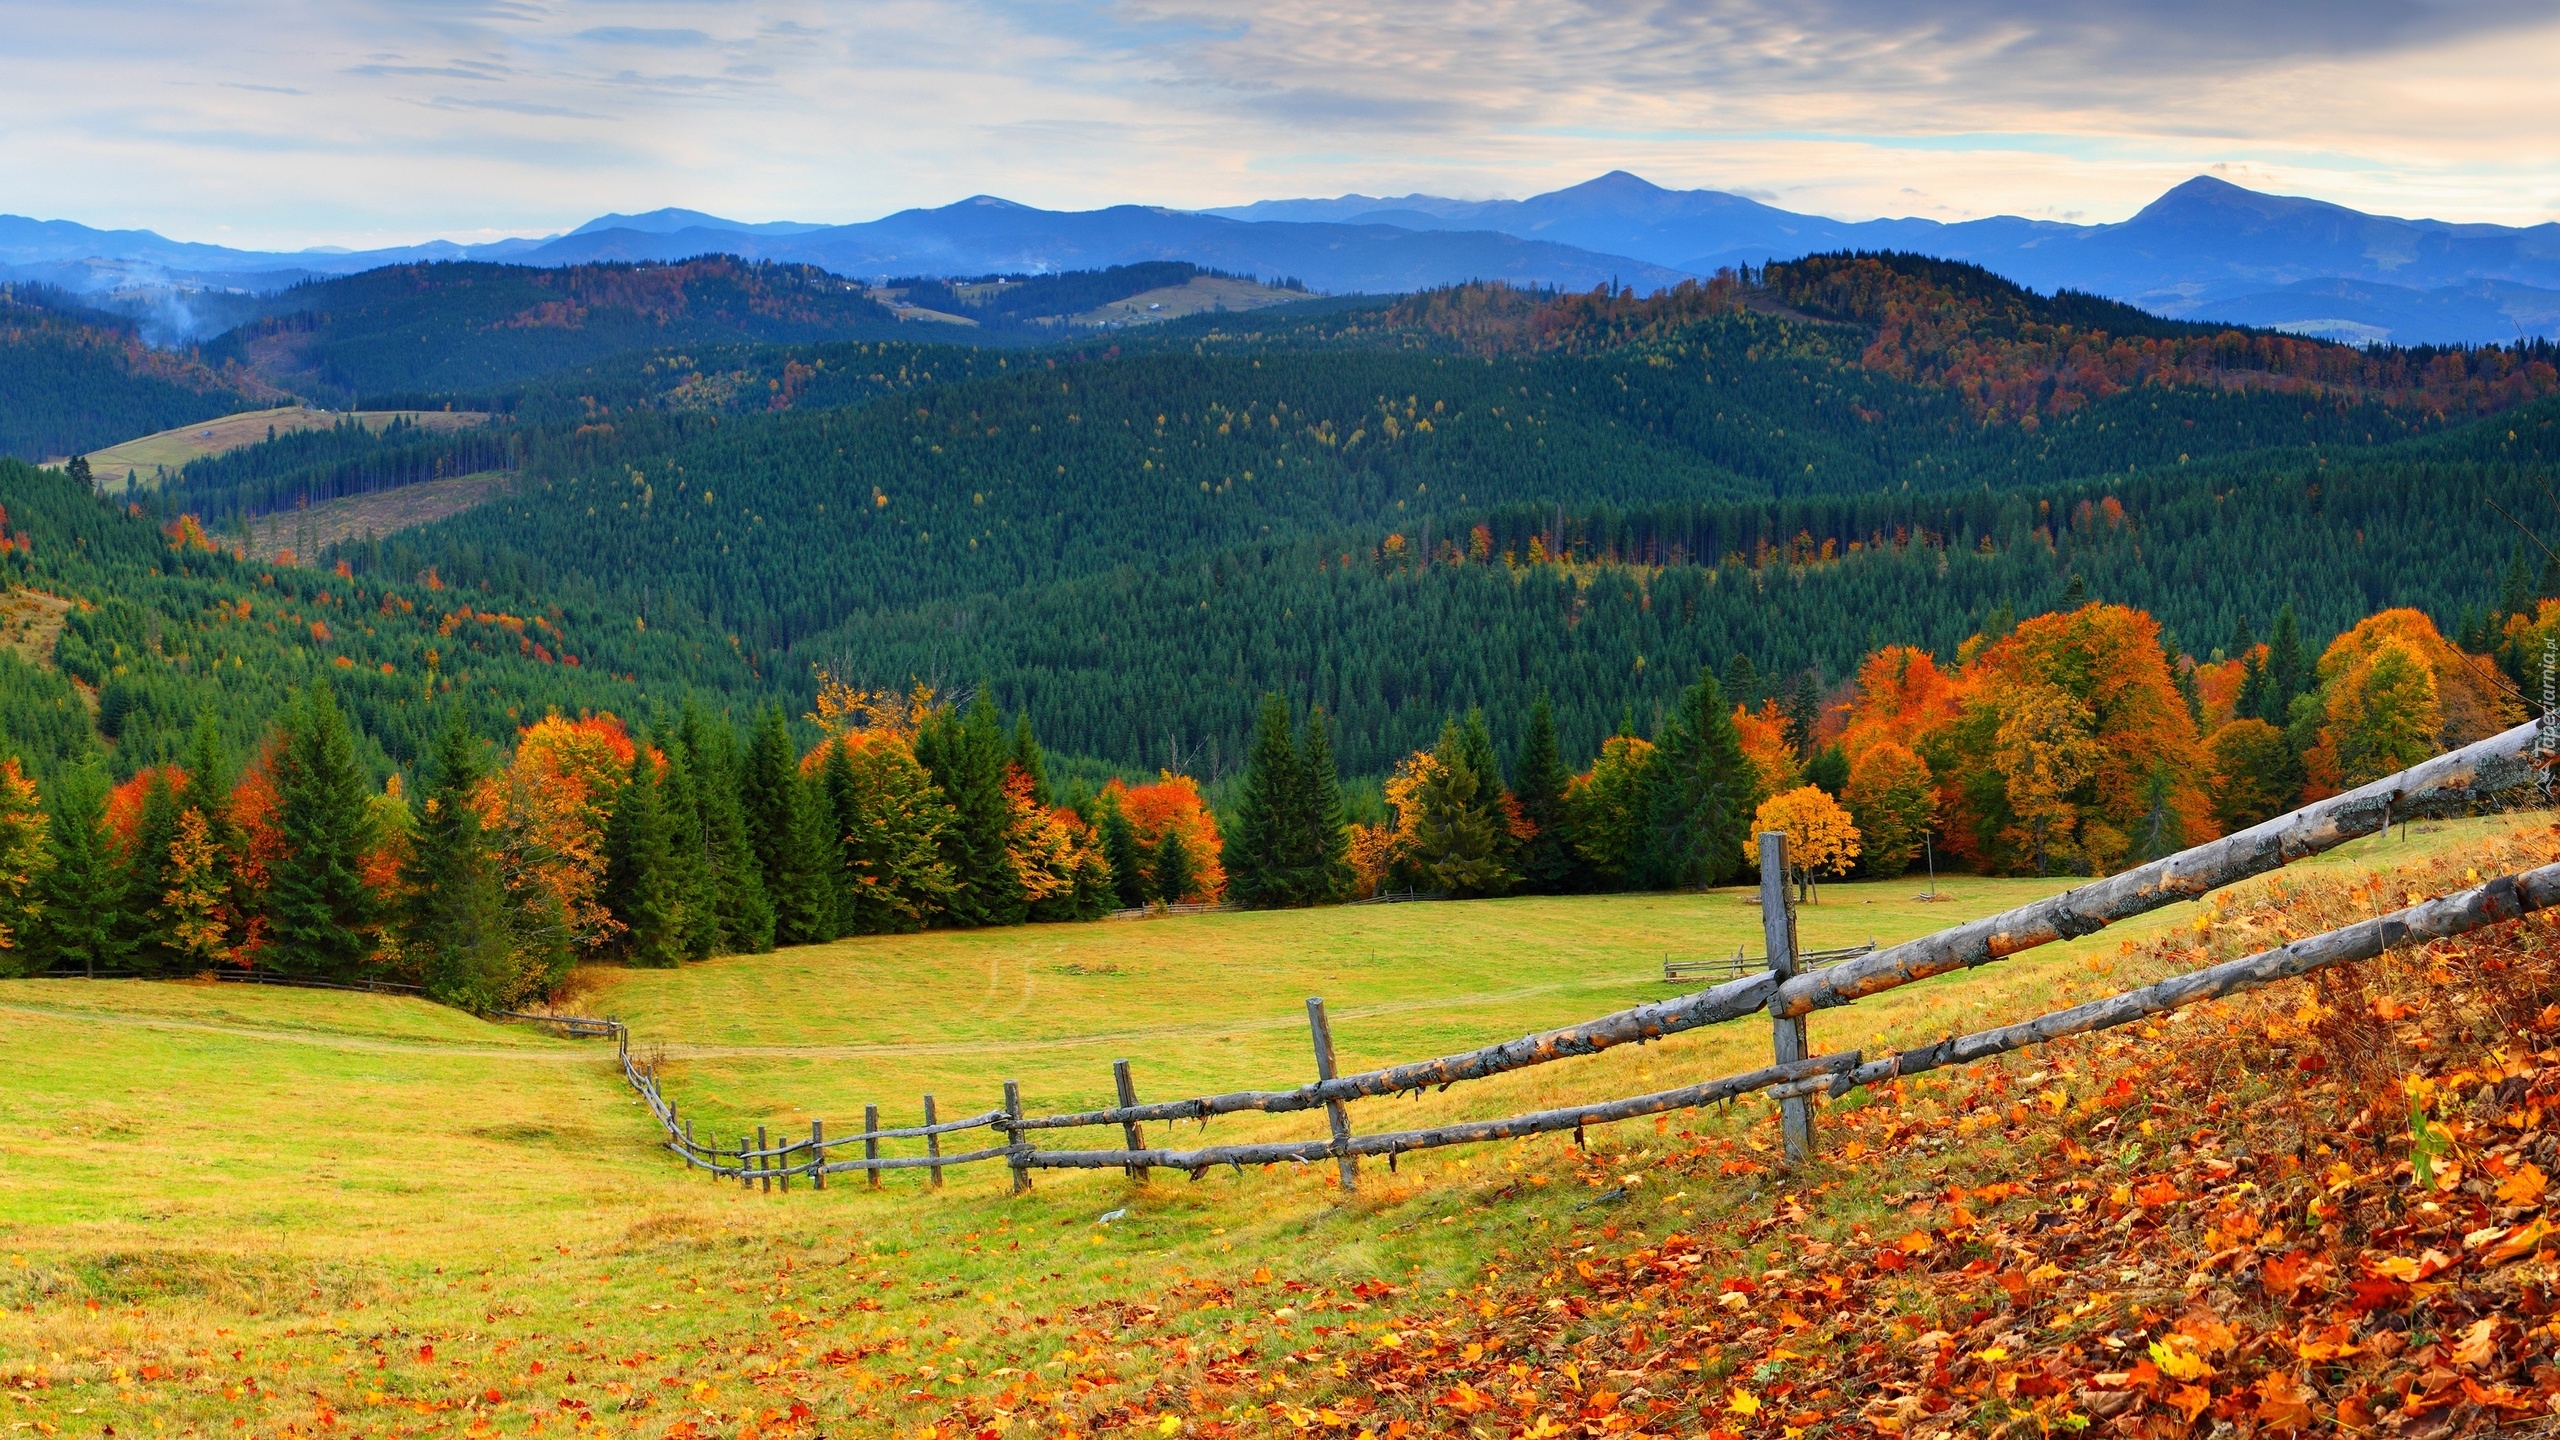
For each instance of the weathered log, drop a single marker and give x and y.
(1786, 1032)
(1135, 1135)
(2501, 762)
(1335, 1115)
(1469, 1133)
(920, 1162)
(933, 1143)
(2502, 899)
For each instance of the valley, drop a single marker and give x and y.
(862, 707)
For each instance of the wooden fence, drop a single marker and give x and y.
(1785, 990)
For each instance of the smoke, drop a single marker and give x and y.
(167, 308)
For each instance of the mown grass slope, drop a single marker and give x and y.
(306, 1211)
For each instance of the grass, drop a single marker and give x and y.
(144, 458)
(289, 1204)
(305, 532)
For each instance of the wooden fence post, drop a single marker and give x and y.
(1019, 1150)
(871, 1141)
(764, 1162)
(932, 1143)
(746, 1177)
(1333, 1110)
(1787, 1036)
(1130, 1130)
(818, 1153)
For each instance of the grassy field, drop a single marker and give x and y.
(226, 1209)
(1193, 296)
(141, 460)
(305, 532)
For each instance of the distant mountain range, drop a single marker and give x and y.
(2205, 250)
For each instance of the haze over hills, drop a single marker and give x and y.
(2206, 249)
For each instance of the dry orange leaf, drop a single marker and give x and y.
(2524, 1187)
(1915, 1243)
(2479, 1344)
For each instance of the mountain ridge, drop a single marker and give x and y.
(2205, 249)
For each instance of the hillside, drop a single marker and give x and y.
(1972, 1246)
(1095, 530)
(471, 326)
(72, 379)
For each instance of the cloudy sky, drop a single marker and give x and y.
(283, 123)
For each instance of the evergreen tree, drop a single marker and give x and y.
(1804, 713)
(1325, 829)
(320, 911)
(1174, 873)
(2516, 596)
(458, 928)
(1457, 836)
(1700, 791)
(1131, 868)
(966, 757)
(636, 882)
(23, 853)
(2252, 702)
(1026, 754)
(812, 909)
(796, 858)
(1741, 681)
(892, 819)
(81, 889)
(689, 873)
(1828, 770)
(1269, 847)
(141, 935)
(737, 872)
(1548, 864)
(843, 789)
(2289, 668)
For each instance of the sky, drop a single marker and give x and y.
(277, 124)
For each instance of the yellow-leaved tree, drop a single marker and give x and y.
(1821, 840)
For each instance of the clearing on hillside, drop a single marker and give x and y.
(1192, 297)
(302, 534)
(143, 460)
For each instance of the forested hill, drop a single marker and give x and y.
(1136, 541)
(458, 326)
(1401, 510)
(73, 379)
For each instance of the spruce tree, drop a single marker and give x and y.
(843, 787)
(891, 818)
(458, 927)
(1548, 863)
(81, 890)
(636, 883)
(1828, 770)
(1027, 756)
(737, 873)
(1131, 869)
(811, 909)
(1804, 712)
(1325, 829)
(1174, 873)
(319, 910)
(1700, 794)
(1457, 836)
(141, 931)
(1742, 680)
(1271, 842)
(2289, 668)
(966, 757)
(689, 876)
(768, 792)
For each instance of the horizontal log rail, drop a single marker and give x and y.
(2460, 777)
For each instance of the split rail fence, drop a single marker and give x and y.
(1787, 990)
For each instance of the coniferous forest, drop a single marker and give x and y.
(794, 627)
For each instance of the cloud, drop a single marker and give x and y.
(141, 112)
(640, 35)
